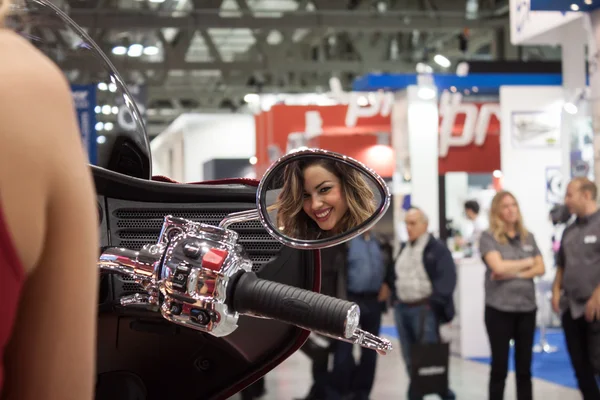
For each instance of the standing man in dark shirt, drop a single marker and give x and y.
(576, 290)
(424, 279)
(367, 270)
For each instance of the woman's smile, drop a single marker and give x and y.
(322, 215)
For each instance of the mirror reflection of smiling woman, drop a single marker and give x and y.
(513, 259)
(322, 198)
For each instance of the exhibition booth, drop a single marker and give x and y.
(572, 25)
(507, 126)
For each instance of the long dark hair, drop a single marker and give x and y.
(294, 222)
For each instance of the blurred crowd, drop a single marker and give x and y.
(417, 282)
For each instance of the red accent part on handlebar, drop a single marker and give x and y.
(214, 259)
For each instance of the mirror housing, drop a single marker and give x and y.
(362, 198)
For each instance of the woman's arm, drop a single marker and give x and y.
(52, 351)
(507, 267)
(488, 246)
(538, 269)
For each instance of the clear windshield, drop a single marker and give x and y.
(111, 124)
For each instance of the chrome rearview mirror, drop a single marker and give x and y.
(313, 199)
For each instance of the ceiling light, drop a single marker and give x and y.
(106, 109)
(426, 93)
(157, 1)
(112, 87)
(102, 86)
(135, 50)
(119, 50)
(151, 50)
(98, 109)
(253, 160)
(588, 2)
(570, 108)
(251, 98)
(423, 68)
(99, 126)
(442, 61)
(462, 69)
(574, 7)
(115, 110)
(108, 126)
(101, 139)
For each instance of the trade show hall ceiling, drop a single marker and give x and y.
(208, 54)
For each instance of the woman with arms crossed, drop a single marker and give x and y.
(513, 259)
(48, 232)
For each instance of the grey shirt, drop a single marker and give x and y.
(512, 295)
(579, 255)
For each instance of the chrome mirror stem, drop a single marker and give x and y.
(242, 216)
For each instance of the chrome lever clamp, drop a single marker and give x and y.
(196, 270)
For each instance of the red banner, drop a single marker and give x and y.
(469, 147)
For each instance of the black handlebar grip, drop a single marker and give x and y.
(310, 310)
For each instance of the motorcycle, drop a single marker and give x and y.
(204, 287)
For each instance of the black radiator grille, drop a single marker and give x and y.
(137, 227)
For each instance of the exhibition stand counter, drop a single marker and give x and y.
(467, 333)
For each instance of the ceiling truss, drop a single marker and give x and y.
(213, 52)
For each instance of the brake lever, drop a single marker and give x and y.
(143, 266)
(369, 341)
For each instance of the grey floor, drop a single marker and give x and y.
(468, 379)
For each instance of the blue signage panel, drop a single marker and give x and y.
(84, 98)
(564, 5)
(485, 83)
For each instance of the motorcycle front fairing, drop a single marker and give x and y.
(136, 346)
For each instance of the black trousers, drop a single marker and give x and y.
(582, 339)
(347, 377)
(501, 327)
(320, 367)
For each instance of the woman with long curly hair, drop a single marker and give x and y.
(513, 259)
(322, 198)
(48, 232)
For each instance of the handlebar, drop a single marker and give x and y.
(303, 308)
(200, 278)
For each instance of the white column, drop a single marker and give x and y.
(573, 74)
(399, 135)
(594, 77)
(423, 142)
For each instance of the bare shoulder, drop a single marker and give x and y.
(29, 82)
(36, 106)
(19, 53)
(38, 128)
